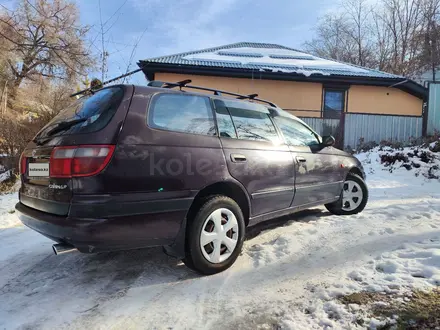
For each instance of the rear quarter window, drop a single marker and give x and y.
(182, 113)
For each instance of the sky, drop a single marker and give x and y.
(167, 27)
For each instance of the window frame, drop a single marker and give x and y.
(149, 120)
(214, 107)
(343, 91)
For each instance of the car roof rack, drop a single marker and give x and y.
(184, 83)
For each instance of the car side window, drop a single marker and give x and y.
(182, 113)
(295, 133)
(251, 121)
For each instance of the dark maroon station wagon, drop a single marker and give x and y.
(131, 167)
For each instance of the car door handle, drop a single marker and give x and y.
(237, 158)
(300, 159)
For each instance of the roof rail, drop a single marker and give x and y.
(184, 83)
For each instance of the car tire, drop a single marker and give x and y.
(220, 224)
(353, 199)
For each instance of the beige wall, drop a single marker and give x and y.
(384, 100)
(308, 96)
(286, 94)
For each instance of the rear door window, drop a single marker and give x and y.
(88, 114)
(251, 121)
(182, 113)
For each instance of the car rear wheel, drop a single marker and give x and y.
(215, 236)
(354, 197)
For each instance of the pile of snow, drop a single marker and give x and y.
(417, 161)
(8, 218)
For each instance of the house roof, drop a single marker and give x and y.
(272, 61)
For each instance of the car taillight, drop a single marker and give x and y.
(66, 162)
(23, 164)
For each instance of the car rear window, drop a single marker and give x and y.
(90, 113)
(182, 113)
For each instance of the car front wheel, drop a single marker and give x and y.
(354, 197)
(215, 236)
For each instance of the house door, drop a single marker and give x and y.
(334, 105)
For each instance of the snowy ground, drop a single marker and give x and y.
(287, 277)
(7, 217)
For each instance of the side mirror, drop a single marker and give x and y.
(328, 141)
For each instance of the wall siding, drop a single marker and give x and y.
(383, 100)
(291, 95)
(286, 94)
(377, 128)
(434, 108)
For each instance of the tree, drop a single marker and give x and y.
(430, 37)
(331, 40)
(403, 18)
(358, 30)
(398, 36)
(345, 35)
(43, 38)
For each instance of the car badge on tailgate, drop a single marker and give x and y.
(58, 186)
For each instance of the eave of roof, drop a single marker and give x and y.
(407, 85)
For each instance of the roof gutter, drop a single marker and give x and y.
(399, 83)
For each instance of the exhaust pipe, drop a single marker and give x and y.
(62, 248)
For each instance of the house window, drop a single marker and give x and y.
(334, 101)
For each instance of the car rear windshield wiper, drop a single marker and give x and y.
(65, 125)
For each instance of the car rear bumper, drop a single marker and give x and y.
(156, 223)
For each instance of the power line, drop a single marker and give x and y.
(117, 10)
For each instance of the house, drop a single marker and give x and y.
(348, 101)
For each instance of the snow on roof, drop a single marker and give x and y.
(268, 57)
(275, 58)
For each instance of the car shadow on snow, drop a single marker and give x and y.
(103, 275)
(302, 216)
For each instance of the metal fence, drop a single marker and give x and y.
(379, 127)
(434, 108)
(369, 127)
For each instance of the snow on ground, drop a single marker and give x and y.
(7, 217)
(288, 276)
